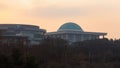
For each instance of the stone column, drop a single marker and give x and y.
(74, 37)
(66, 37)
(103, 36)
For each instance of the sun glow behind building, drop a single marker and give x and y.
(92, 15)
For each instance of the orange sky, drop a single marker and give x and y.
(91, 15)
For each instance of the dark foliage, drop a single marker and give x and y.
(58, 53)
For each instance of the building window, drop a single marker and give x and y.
(37, 36)
(71, 37)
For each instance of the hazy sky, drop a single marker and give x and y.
(91, 15)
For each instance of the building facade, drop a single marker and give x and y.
(34, 33)
(74, 33)
(14, 40)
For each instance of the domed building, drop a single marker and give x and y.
(73, 33)
(71, 27)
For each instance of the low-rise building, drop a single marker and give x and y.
(14, 40)
(74, 33)
(34, 33)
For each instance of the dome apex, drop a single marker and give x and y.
(70, 26)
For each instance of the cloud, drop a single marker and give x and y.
(2, 6)
(93, 14)
(61, 12)
(55, 12)
(60, 8)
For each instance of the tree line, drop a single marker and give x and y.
(59, 53)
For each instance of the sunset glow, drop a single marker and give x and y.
(91, 15)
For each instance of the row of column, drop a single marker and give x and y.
(76, 37)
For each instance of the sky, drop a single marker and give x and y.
(91, 15)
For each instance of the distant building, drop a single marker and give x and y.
(14, 40)
(74, 33)
(34, 33)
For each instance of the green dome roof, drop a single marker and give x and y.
(70, 26)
